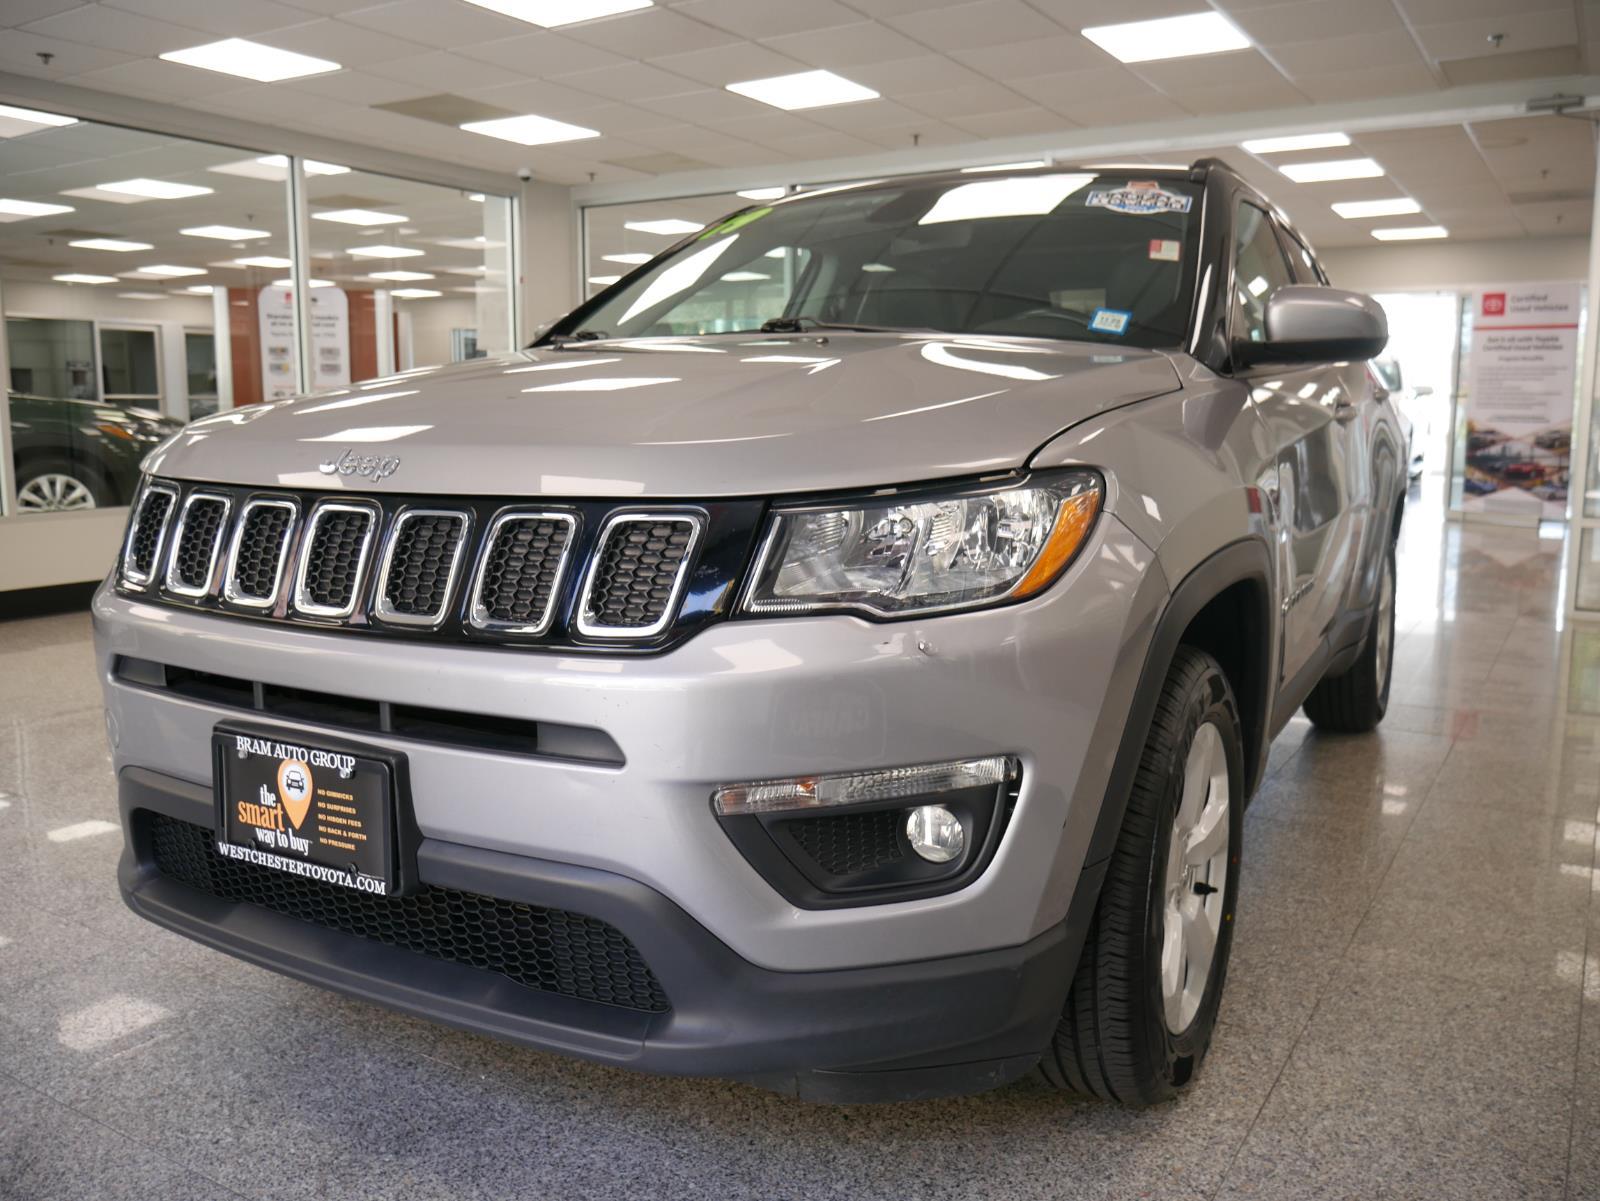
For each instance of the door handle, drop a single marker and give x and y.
(1345, 410)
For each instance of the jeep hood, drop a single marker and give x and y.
(683, 417)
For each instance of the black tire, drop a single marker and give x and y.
(1355, 701)
(90, 477)
(1113, 1040)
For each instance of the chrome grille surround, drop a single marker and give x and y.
(230, 580)
(383, 606)
(132, 574)
(614, 527)
(304, 602)
(479, 615)
(174, 578)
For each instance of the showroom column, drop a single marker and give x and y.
(1583, 571)
(300, 274)
(8, 483)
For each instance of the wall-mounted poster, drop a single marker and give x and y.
(330, 340)
(1520, 401)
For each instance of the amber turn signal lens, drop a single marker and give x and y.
(1074, 520)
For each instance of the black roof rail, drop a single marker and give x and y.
(1201, 167)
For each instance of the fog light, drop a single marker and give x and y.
(935, 833)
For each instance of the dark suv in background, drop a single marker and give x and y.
(79, 454)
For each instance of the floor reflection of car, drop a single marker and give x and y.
(79, 454)
(1418, 418)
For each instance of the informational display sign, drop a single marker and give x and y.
(1520, 399)
(330, 340)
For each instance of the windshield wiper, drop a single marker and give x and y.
(801, 325)
(583, 335)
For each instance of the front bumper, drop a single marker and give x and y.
(934, 1027)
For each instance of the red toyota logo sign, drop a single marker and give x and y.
(1494, 304)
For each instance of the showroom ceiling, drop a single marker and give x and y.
(653, 83)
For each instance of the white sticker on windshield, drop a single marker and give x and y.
(1139, 197)
(1110, 321)
(1164, 250)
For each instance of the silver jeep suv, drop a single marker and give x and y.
(835, 656)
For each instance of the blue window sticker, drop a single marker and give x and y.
(1139, 197)
(1110, 321)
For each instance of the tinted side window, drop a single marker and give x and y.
(1306, 268)
(1259, 269)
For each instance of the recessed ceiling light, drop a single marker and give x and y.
(1398, 206)
(32, 116)
(1168, 37)
(19, 210)
(74, 277)
(804, 89)
(414, 293)
(200, 289)
(554, 13)
(631, 260)
(309, 165)
(744, 277)
(141, 295)
(1298, 141)
(1410, 233)
(764, 193)
(1034, 162)
(1024, 196)
(110, 244)
(360, 217)
(667, 227)
(251, 60)
(313, 283)
(155, 189)
(530, 130)
(270, 261)
(400, 275)
(382, 252)
(275, 168)
(168, 271)
(1343, 168)
(604, 280)
(225, 233)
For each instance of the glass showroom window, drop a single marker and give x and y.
(403, 274)
(130, 366)
(200, 365)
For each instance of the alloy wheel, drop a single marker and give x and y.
(1196, 879)
(54, 492)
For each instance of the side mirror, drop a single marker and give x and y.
(1307, 323)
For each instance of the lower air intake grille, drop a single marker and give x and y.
(334, 559)
(521, 569)
(550, 950)
(262, 534)
(195, 554)
(422, 563)
(637, 572)
(152, 519)
(851, 842)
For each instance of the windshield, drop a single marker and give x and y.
(1074, 255)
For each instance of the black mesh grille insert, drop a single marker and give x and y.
(192, 558)
(851, 842)
(546, 949)
(636, 571)
(153, 512)
(424, 554)
(520, 569)
(261, 545)
(333, 564)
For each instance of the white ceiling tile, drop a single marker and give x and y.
(649, 32)
(359, 87)
(625, 119)
(983, 23)
(635, 82)
(844, 46)
(538, 96)
(965, 101)
(768, 18)
(115, 29)
(827, 144)
(1353, 52)
(1097, 84)
(444, 26)
(1239, 68)
(229, 18)
(1320, 19)
(150, 77)
(1120, 110)
(444, 72)
(1433, 12)
(349, 45)
(767, 129)
(1256, 97)
(722, 65)
(542, 55)
(870, 114)
(20, 12)
(1036, 56)
(709, 104)
(1529, 31)
(895, 8)
(1367, 84)
(913, 74)
(1015, 123)
(20, 52)
(926, 132)
(1079, 14)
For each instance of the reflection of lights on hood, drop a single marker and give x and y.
(372, 433)
(354, 401)
(668, 344)
(744, 277)
(679, 277)
(1024, 196)
(944, 404)
(941, 354)
(608, 384)
(1307, 392)
(878, 267)
(715, 441)
(567, 366)
(816, 363)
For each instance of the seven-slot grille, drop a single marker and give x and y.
(468, 569)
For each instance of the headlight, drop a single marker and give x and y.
(923, 554)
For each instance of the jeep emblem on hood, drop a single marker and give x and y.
(373, 467)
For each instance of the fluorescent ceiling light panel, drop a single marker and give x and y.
(382, 252)
(804, 89)
(225, 233)
(1398, 206)
(155, 189)
(21, 210)
(275, 168)
(141, 295)
(414, 293)
(670, 227)
(272, 262)
(1298, 141)
(250, 60)
(530, 130)
(1034, 162)
(313, 283)
(401, 275)
(1168, 37)
(10, 112)
(200, 289)
(360, 217)
(632, 260)
(554, 13)
(309, 165)
(75, 277)
(1410, 233)
(764, 193)
(1325, 172)
(168, 271)
(116, 244)
(1025, 196)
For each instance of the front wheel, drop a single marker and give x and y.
(1138, 1021)
(60, 485)
(1356, 701)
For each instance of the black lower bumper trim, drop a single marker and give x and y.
(927, 1028)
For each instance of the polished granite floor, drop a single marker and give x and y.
(1413, 1009)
